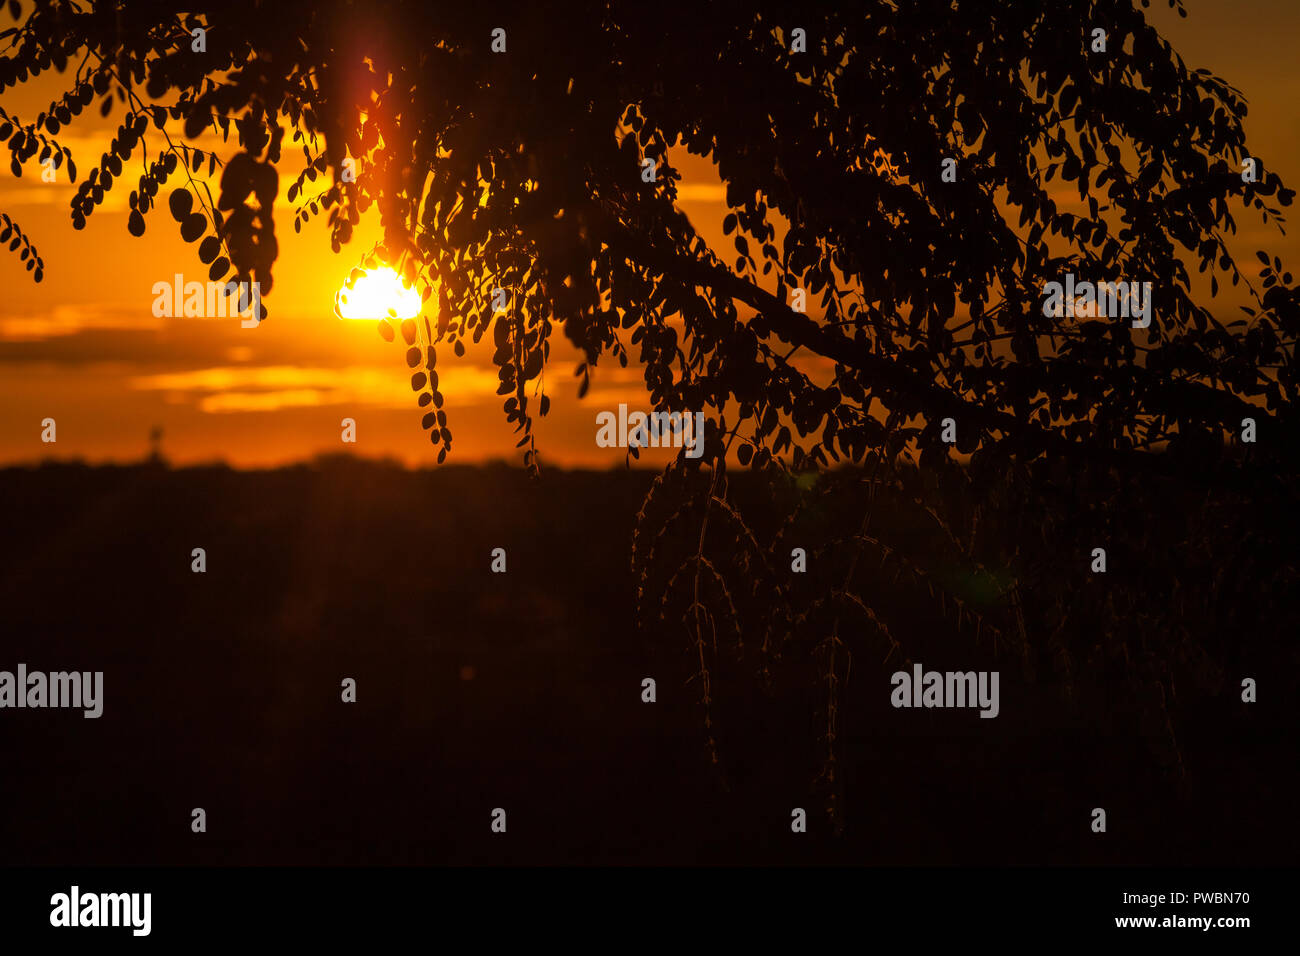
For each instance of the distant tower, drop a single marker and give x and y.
(155, 445)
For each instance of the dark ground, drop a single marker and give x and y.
(222, 691)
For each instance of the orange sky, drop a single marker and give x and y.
(85, 349)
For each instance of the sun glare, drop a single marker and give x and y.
(377, 293)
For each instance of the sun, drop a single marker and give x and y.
(376, 294)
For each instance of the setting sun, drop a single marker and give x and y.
(376, 294)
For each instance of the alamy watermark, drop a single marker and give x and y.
(653, 430)
(1111, 300)
(76, 908)
(208, 300)
(923, 688)
(82, 690)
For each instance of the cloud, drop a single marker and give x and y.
(702, 192)
(65, 320)
(265, 401)
(261, 388)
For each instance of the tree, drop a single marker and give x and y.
(515, 160)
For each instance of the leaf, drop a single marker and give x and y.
(180, 202)
(532, 365)
(194, 226)
(209, 249)
(135, 223)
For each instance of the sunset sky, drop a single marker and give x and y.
(83, 347)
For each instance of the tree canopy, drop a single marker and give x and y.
(917, 173)
(514, 160)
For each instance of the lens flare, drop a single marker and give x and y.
(375, 295)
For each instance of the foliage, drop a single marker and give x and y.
(522, 170)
